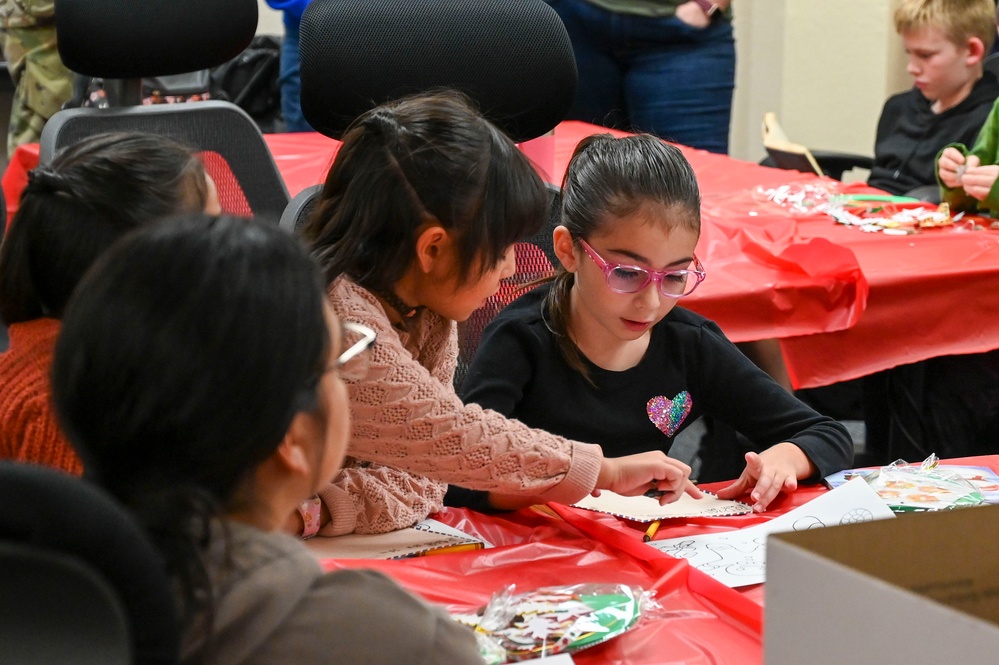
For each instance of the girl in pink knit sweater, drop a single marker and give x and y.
(414, 229)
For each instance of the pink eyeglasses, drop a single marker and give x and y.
(632, 279)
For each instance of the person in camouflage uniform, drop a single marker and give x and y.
(42, 83)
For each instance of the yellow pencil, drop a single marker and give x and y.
(463, 547)
(651, 531)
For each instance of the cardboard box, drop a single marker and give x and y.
(919, 589)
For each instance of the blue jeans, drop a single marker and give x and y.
(656, 75)
(291, 82)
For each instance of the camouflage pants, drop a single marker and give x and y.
(42, 83)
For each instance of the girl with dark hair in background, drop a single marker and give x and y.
(92, 193)
(214, 413)
(603, 353)
(414, 229)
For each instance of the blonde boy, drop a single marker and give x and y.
(946, 41)
(968, 177)
(949, 404)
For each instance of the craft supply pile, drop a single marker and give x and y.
(871, 213)
(550, 620)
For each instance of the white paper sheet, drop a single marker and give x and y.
(646, 509)
(738, 558)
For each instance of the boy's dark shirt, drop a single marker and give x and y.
(910, 135)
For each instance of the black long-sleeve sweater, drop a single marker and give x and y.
(910, 135)
(519, 372)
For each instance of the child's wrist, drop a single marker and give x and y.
(605, 477)
(310, 512)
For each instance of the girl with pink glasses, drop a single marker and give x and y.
(603, 354)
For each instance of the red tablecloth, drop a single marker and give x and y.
(701, 622)
(843, 303)
(15, 177)
(877, 300)
(931, 295)
(763, 281)
(695, 626)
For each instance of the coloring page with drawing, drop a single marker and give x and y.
(738, 558)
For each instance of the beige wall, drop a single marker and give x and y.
(824, 66)
(269, 22)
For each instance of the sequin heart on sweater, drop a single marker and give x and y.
(668, 414)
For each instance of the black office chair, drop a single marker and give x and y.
(512, 58)
(928, 193)
(298, 210)
(536, 260)
(785, 154)
(122, 41)
(991, 64)
(79, 580)
(57, 609)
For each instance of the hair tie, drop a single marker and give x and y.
(382, 121)
(43, 180)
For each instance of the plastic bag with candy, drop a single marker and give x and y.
(920, 487)
(551, 620)
(801, 198)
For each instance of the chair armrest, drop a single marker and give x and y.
(928, 193)
(835, 163)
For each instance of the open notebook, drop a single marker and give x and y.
(785, 153)
(427, 537)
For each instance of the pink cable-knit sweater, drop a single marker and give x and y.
(412, 434)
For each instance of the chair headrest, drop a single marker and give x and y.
(53, 510)
(513, 58)
(125, 39)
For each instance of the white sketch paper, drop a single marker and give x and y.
(647, 509)
(738, 558)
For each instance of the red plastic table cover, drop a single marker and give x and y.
(15, 176)
(914, 297)
(699, 622)
(931, 294)
(762, 281)
(842, 302)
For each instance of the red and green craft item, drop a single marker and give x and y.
(553, 620)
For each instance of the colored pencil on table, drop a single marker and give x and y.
(651, 531)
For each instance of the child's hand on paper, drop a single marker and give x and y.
(952, 165)
(767, 474)
(978, 180)
(633, 475)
